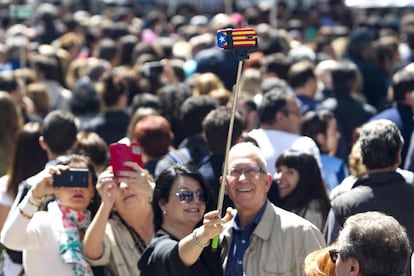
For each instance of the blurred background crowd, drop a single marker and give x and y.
(151, 71)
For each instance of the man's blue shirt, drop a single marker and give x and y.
(239, 244)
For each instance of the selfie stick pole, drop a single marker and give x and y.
(241, 55)
(229, 138)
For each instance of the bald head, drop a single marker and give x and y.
(247, 150)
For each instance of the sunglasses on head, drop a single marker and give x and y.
(188, 196)
(333, 254)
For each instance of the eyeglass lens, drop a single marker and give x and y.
(188, 196)
(249, 171)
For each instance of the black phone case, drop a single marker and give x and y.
(72, 178)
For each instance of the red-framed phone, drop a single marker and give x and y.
(120, 152)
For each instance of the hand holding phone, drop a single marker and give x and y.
(120, 152)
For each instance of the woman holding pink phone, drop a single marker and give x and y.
(121, 229)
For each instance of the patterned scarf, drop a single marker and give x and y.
(69, 240)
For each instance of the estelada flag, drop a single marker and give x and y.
(236, 38)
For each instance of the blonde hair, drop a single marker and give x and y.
(205, 83)
(318, 263)
(39, 93)
(221, 95)
(355, 165)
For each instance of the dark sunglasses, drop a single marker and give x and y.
(333, 254)
(188, 196)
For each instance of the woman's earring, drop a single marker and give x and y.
(164, 212)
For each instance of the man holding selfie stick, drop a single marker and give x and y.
(261, 239)
(241, 42)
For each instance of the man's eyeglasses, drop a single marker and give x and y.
(248, 172)
(333, 254)
(189, 196)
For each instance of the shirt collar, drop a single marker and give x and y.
(255, 222)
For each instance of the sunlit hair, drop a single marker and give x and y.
(380, 134)
(318, 262)
(377, 241)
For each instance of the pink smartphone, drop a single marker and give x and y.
(120, 153)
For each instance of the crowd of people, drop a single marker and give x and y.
(320, 171)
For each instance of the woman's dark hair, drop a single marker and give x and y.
(28, 157)
(310, 185)
(316, 122)
(92, 145)
(85, 99)
(164, 183)
(127, 45)
(112, 86)
(172, 97)
(59, 131)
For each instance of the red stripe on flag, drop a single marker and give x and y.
(248, 38)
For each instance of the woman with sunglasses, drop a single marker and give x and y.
(180, 244)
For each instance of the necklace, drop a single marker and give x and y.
(139, 243)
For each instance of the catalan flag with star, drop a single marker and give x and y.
(230, 39)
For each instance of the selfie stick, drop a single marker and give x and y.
(240, 41)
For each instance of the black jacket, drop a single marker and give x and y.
(161, 258)
(386, 192)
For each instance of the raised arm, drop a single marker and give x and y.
(93, 241)
(15, 234)
(191, 246)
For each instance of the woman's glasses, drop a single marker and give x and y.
(188, 196)
(333, 254)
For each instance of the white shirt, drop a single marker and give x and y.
(412, 264)
(38, 238)
(275, 142)
(9, 267)
(5, 198)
